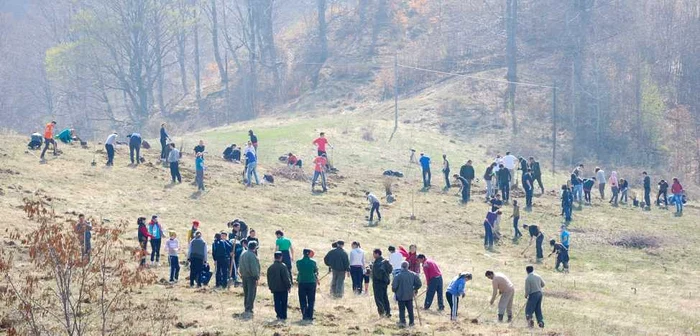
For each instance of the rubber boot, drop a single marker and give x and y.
(510, 318)
(500, 317)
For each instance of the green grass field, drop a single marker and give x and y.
(610, 290)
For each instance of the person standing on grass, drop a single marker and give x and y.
(538, 237)
(339, 262)
(510, 161)
(381, 278)
(567, 202)
(200, 148)
(109, 147)
(488, 177)
(624, 188)
(489, 223)
(320, 163)
(412, 258)
(253, 140)
(455, 289)
(562, 255)
(48, 139)
(536, 172)
(663, 190)
(163, 142)
(197, 256)
(321, 142)
(446, 171)
(529, 187)
(357, 267)
(173, 248)
(425, 168)
(251, 167)
(677, 191)
(220, 252)
(280, 283)
(395, 259)
(250, 273)
(577, 183)
(284, 246)
(374, 206)
(496, 203)
(533, 294)
(564, 236)
(156, 231)
(516, 217)
(192, 231)
(647, 191)
(174, 162)
(405, 286)
(464, 190)
(199, 171)
(135, 148)
(503, 286)
(467, 172)
(143, 236)
(600, 178)
(307, 280)
(433, 277)
(587, 187)
(504, 181)
(614, 187)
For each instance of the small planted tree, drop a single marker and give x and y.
(63, 291)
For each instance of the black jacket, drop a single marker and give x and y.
(535, 167)
(381, 271)
(503, 176)
(467, 172)
(338, 260)
(278, 279)
(647, 183)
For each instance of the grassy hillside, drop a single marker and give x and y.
(610, 290)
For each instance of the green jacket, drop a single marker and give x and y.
(381, 271)
(278, 278)
(307, 271)
(249, 265)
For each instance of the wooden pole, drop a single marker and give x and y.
(554, 128)
(396, 95)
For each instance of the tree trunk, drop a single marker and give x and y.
(511, 59)
(160, 77)
(215, 43)
(380, 20)
(181, 57)
(197, 67)
(322, 40)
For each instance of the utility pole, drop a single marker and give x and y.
(554, 127)
(396, 95)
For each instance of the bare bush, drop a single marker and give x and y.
(368, 133)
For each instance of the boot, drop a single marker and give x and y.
(530, 323)
(500, 317)
(510, 318)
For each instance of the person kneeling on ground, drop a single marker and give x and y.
(293, 161)
(232, 153)
(35, 141)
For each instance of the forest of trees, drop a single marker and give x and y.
(627, 71)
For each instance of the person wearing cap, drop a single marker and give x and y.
(339, 262)
(279, 282)
(405, 286)
(197, 256)
(307, 279)
(192, 231)
(533, 294)
(109, 147)
(284, 246)
(156, 231)
(455, 289)
(425, 167)
(381, 278)
(173, 248)
(239, 229)
(48, 139)
(134, 147)
(395, 259)
(562, 255)
(250, 274)
(502, 285)
(221, 253)
(433, 277)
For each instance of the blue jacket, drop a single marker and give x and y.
(250, 157)
(220, 250)
(456, 286)
(425, 162)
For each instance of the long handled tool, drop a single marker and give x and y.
(415, 303)
(476, 319)
(516, 314)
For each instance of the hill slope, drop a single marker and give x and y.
(610, 290)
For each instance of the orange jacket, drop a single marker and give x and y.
(48, 131)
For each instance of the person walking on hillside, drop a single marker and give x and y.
(192, 231)
(48, 139)
(677, 191)
(250, 273)
(529, 188)
(143, 236)
(446, 171)
(516, 218)
(663, 190)
(197, 256)
(321, 143)
(647, 191)
(163, 142)
(320, 163)
(562, 255)
(156, 231)
(425, 167)
(600, 177)
(536, 173)
(464, 189)
(504, 181)
(307, 280)
(172, 245)
(109, 147)
(503, 286)
(534, 296)
(489, 224)
(538, 237)
(433, 278)
(251, 167)
(567, 202)
(357, 267)
(199, 171)
(339, 262)
(374, 207)
(221, 253)
(405, 286)
(381, 277)
(614, 187)
(455, 289)
(135, 148)
(284, 246)
(280, 283)
(253, 140)
(174, 161)
(467, 172)
(488, 177)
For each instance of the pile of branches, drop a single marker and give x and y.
(638, 241)
(291, 173)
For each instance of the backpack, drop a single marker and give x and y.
(269, 178)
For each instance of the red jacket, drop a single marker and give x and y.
(431, 270)
(676, 188)
(411, 258)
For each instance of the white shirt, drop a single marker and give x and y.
(509, 161)
(600, 176)
(111, 139)
(372, 199)
(395, 259)
(357, 257)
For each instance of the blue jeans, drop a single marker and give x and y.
(323, 180)
(567, 212)
(375, 208)
(222, 272)
(252, 172)
(489, 189)
(528, 197)
(307, 298)
(426, 177)
(488, 235)
(447, 179)
(174, 267)
(678, 199)
(538, 246)
(534, 306)
(434, 287)
(578, 192)
(356, 273)
(505, 190)
(515, 227)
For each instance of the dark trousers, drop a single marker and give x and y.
(155, 250)
(562, 258)
(659, 199)
(110, 154)
(601, 190)
(505, 190)
(375, 208)
(174, 267)
(567, 212)
(647, 197)
(528, 197)
(453, 301)
(175, 171)
(287, 260)
(196, 265)
(356, 273)
(466, 192)
(434, 287)
(163, 147)
(281, 299)
(135, 148)
(516, 229)
(307, 298)
(426, 177)
(403, 307)
(48, 142)
(222, 272)
(447, 178)
(381, 299)
(587, 195)
(539, 182)
(144, 251)
(488, 235)
(249, 292)
(538, 245)
(534, 306)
